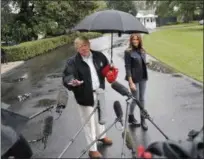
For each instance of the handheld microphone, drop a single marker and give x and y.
(118, 111)
(48, 124)
(101, 106)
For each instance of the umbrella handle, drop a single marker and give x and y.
(111, 61)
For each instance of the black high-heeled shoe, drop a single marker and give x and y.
(133, 121)
(143, 123)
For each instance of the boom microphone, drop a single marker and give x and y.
(101, 106)
(62, 98)
(120, 89)
(118, 111)
(128, 139)
(125, 92)
(48, 123)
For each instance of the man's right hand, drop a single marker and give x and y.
(75, 83)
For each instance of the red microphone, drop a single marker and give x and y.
(105, 70)
(147, 155)
(140, 151)
(142, 154)
(111, 73)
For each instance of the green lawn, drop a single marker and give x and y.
(180, 47)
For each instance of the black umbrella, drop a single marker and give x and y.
(111, 21)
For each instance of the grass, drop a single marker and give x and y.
(193, 23)
(181, 48)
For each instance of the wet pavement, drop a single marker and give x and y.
(174, 102)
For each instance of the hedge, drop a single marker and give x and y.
(27, 50)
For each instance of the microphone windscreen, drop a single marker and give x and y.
(48, 124)
(118, 109)
(120, 88)
(101, 108)
(128, 140)
(62, 98)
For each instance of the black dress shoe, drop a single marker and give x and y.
(143, 124)
(133, 121)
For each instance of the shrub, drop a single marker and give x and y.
(27, 50)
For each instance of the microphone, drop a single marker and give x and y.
(101, 106)
(125, 92)
(128, 139)
(62, 99)
(48, 123)
(118, 111)
(121, 89)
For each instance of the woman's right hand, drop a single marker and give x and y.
(132, 86)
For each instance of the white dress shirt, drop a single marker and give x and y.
(94, 75)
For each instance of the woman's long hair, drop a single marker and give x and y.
(131, 47)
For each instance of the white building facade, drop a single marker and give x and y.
(148, 20)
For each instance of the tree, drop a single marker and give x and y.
(7, 18)
(125, 6)
(51, 18)
(101, 5)
(185, 9)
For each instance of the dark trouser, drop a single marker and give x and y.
(139, 95)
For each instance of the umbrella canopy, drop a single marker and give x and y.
(111, 21)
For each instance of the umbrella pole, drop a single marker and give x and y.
(111, 48)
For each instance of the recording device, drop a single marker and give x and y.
(101, 106)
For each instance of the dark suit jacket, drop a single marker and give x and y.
(76, 68)
(135, 65)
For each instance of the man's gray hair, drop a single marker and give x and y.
(81, 38)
